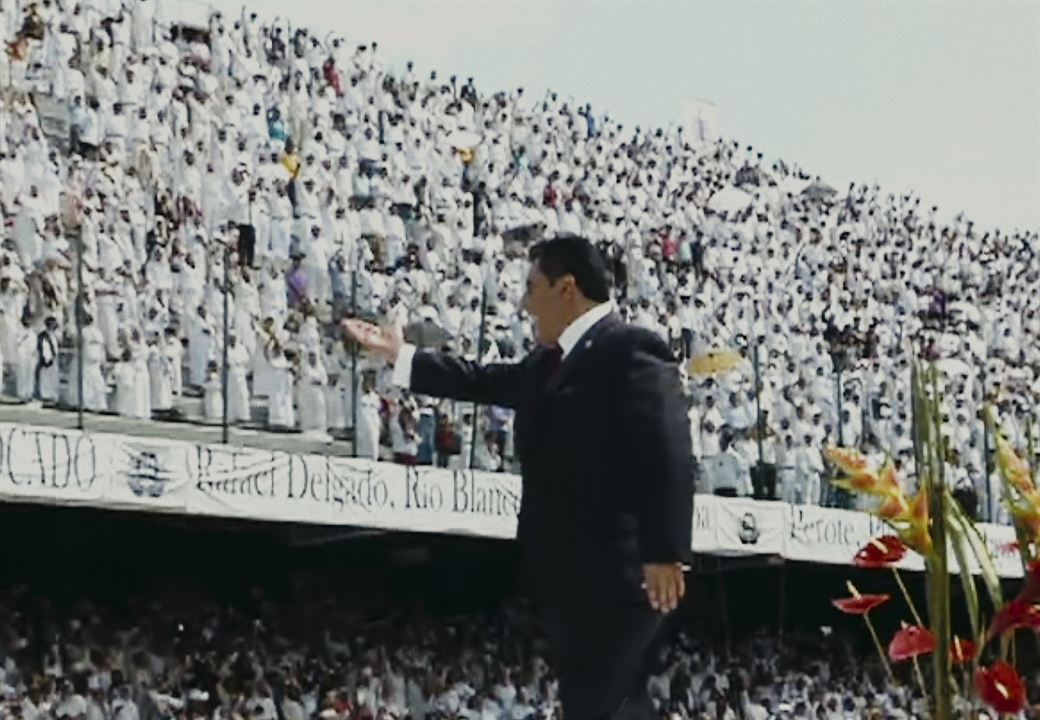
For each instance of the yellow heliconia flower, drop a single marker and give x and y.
(915, 534)
(860, 477)
(893, 508)
(888, 483)
(1013, 468)
(1026, 512)
(864, 482)
(849, 460)
(908, 516)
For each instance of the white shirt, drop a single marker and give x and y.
(576, 330)
(569, 338)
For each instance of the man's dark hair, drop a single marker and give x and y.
(576, 256)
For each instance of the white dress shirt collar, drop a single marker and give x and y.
(582, 324)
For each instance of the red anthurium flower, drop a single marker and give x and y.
(1001, 688)
(911, 641)
(1030, 591)
(1015, 614)
(858, 604)
(961, 651)
(880, 552)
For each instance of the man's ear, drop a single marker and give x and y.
(568, 284)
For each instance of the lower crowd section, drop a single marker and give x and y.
(130, 614)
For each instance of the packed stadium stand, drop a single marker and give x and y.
(187, 210)
(296, 180)
(146, 617)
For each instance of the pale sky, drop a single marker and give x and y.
(942, 98)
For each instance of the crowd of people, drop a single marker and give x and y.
(295, 180)
(316, 656)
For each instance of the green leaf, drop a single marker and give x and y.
(981, 552)
(932, 477)
(1031, 448)
(961, 548)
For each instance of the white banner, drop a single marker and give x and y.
(240, 482)
(1002, 544)
(52, 464)
(749, 527)
(42, 464)
(705, 524)
(149, 473)
(828, 535)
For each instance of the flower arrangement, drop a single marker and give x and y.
(931, 523)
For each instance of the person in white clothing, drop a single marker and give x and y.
(201, 346)
(462, 460)
(142, 381)
(787, 474)
(809, 471)
(95, 389)
(339, 391)
(269, 345)
(369, 421)
(280, 412)
(47, 378)
(694, 417)
(488, 457)
(160, 377)
(311, 393)
(173, 353)
(212, 395)
(25, 362)
(125, 375)
(239, 409)
(316, 265)
(280, 229)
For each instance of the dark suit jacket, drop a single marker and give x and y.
(607, 467)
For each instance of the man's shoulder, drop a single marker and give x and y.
(624, 337)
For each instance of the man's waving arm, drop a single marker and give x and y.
(437, 374)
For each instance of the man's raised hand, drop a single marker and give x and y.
(383, 341)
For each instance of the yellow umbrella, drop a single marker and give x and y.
(715, 362)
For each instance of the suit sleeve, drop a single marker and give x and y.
(450, 377)
(658, 466)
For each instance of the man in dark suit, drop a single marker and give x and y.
(604, 443)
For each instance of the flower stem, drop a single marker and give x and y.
(906, 596)
(920, 681)
(880, 650)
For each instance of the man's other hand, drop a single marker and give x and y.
(383, 341)
(665, 585)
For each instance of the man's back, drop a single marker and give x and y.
(603, 438)
(607, 479)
